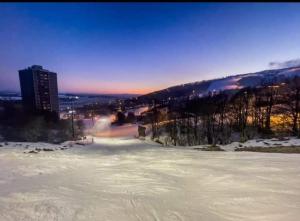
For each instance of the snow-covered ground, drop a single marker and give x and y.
(128, 179)
(102, 128)
(274, 142)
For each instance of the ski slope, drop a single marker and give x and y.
(128, 179)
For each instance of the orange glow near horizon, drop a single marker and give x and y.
(108, 88)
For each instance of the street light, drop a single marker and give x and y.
(72, 117)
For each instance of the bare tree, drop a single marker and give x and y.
(293, 102)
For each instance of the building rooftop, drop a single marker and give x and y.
(38, 67)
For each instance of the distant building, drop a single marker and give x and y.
(39, 89)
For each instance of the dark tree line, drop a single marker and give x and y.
(269, 110)
(19, 125)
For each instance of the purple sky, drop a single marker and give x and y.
(138, 48)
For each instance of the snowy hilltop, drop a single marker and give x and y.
(233, 82)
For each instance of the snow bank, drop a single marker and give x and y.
(274, 142)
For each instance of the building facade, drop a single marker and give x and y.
(39, 89)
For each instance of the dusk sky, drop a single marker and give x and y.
(142, 47)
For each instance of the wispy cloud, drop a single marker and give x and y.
(285, 64)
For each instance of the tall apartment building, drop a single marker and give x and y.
(39, 89)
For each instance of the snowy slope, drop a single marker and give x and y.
(127, 179)
(227, 83)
